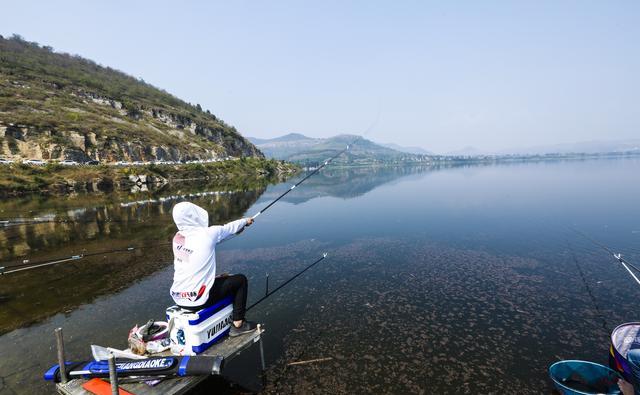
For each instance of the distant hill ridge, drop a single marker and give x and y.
(299, 148)
(580, 147)
(587, 147)
(56, 106)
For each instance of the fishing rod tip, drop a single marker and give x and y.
(324, 255)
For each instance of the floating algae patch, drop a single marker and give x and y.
(402, 317)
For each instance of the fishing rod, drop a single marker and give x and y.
(267, 293)
(14, 223)
(326, 162)
(626, 264)
(33, 265)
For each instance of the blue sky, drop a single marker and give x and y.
(441, 75)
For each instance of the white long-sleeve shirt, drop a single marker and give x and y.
(194, 253)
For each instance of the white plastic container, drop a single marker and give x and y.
(192, 332)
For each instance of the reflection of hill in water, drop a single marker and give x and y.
(133, 221)
(75, 226)
(345, 183)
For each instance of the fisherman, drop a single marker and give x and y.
(195, 285)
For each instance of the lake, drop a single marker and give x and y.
(470, 279)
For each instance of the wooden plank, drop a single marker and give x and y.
(228, 348)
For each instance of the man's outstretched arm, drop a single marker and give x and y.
(230, 229)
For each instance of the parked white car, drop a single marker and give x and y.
(4, 161)
(122, 163)
(69, 162)
(36, 162)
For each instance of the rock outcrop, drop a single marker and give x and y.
(58, 106)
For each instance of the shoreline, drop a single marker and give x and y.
(18, 180)
(482, 160)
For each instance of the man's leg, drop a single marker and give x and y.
(235, 285)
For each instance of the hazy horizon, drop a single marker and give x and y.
(542, 148)
(437, 76)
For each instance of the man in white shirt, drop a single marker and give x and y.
(195, 285)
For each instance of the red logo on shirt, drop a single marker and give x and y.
(190, 295)
(201, 291)
(179, 251)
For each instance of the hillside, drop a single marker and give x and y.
(306, 150)
(61, 106)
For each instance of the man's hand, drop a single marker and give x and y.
(249, 222)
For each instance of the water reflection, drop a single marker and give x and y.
(466, 280)
(43, 230)
(29, 296)
(100, 228)
(348, 182)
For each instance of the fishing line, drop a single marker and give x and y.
(586, 285)
(267, 294)
(626, 264)
(313, 340)
(33, 265)
(11, 224)
(326, 162)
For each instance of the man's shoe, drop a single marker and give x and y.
(246, 327)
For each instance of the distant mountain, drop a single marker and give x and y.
(466, 151)
(284, 147)
(291, 137)
(410, 150)
(302, 149)
(584, 147)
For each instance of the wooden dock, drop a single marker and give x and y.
(227, 348)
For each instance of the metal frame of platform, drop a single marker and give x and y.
(227, 348)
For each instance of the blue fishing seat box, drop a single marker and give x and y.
(192, 332)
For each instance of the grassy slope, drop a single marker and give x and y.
(42, 89)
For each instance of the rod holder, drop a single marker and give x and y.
(60, 346)
(264, 366)
(113, 376)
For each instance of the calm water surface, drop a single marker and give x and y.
(452, 280)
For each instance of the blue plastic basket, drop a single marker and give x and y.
(574, 377)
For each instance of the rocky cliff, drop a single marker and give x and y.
(59, 106)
